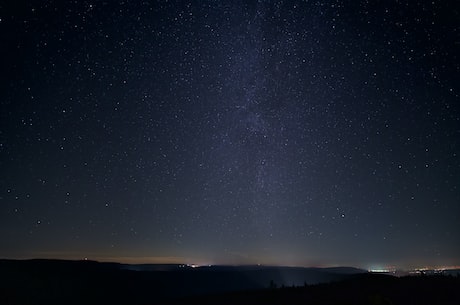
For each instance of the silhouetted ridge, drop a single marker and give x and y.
(33, 282)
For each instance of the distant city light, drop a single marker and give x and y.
(379, 270)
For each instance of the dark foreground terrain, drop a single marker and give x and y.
(86, 282)
(361, 289)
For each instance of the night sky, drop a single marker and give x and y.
(306, 133)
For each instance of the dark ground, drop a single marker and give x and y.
(362, 289)
(85, 282)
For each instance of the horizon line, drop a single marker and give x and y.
(198, 265)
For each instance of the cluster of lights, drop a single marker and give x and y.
(193, 266)
(390, 269)
(416, 271)
(379, 270)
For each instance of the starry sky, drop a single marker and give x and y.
(306, 133)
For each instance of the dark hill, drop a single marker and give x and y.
(90, 282)
(375, 289)
(31, 282)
